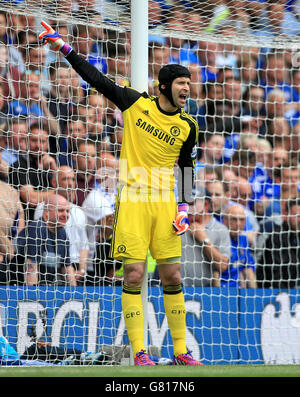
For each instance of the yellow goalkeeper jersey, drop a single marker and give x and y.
(153, 140)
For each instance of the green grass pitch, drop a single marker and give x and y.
(157, 371)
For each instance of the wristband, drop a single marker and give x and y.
(66, 49)
(183, 207)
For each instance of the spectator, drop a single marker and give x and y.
(60, 95)
(247, 70)
(32, 103)
(205, 174)
(265, 186)
(84, 165)
(158, 56)
(76, 130)
(35, 60)
(242, 196)
(213, 92)
(275, 75)
(16, 130)
(118, 61)
(9, 74)
(175, 43)
(254, 107)
(241, 269)
(233, 94)
(210, 240)
(205, 54)
(272, 24)
(31, 173)
(196, 98)
(263, 151)
(222, 197)
(63, 182)
(43, 247)
(212, 147)
(12, 222)
(5, 37)
(99, 212)
(228, 53)
(24, 39)
(28, 103)
(248, 141)
(93, 110)
(243, 163)
(289, 182)
(234, 12)
(279, 263)
(278, 132)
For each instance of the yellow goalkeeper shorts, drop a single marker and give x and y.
(144, 224)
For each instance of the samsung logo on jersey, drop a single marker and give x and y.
(156, 132)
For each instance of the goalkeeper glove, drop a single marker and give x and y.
(54, 39)
(181, 223)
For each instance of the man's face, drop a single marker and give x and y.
(63, 80)
(58, 215)
(278, 157)
(65, 182)
(37, 58)
(38, 142)
(86, 158)
(196, 211)
(290, 180)
(180, 91)
(243, 193)
(77, 130)
(235, 221)
(19, 137)
(214, 148)
(217, 195)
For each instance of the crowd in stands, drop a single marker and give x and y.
(60, 145)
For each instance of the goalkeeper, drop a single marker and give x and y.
(157, 133)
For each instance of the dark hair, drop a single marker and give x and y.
(37, 125)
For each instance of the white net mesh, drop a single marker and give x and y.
(60, 149)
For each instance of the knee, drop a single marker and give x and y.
(170, 273)
(133, 275)
(173, 278)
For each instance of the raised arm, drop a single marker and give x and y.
(122, 97)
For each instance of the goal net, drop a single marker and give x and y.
(60, 139)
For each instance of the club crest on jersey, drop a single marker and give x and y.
(174, 131)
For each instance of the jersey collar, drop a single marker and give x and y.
(164, 112)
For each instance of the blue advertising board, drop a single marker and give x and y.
(224, 326)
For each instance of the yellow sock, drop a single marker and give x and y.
(175, 312)
(133, 316)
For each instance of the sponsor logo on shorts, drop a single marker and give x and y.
(121, 248)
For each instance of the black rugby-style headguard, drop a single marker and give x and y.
(166, 76)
